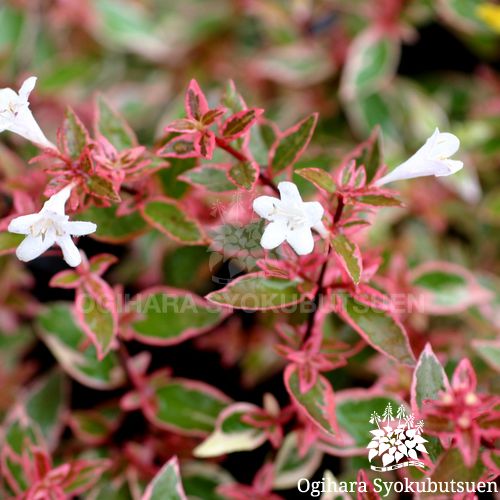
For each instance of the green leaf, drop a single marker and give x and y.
(110, 227)
(103, 188)
(429, 378)
(98, 320)
(171, 183)
(489, 350)
(113, 126)
(202, 479)
(290, 465)
(258, 292)
(167, 484)
(321, 179)
(369, 154)
(378, 328)
(211, 178)
(95, 426)
(184, 406)
(244, 175)
(372, 61)
(379, 200)
(238, 123)
(446, 288)
(170, 219)
(169, 316)
(9, 242)
(451, 466)
(262, 138)
(75, 134)
(292, 143)
(231, 433)
(317, 403)
(353, 409)
(65, 340)
(46, 404)
(349, 256)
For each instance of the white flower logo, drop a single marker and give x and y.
(396, 439)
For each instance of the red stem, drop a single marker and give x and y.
(238, 155)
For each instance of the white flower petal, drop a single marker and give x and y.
(274, 235)
(314, 211)
(301, 240)
(7, 96)
(70, 252)
(26, 88)
(431, 159)
(265, 206)
(289, 193)
(445, 145)
(57, 201)
(26, 126)
(22, 224)
(80, 228)
(33, 246)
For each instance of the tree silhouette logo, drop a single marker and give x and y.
(396, 440)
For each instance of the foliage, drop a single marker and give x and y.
(189, 329)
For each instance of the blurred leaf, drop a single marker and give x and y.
(244, 175)
(75, 135)
(202, 478)
(65, 340)
(9, 242)
(371, 63)
(214, 179)
(98, 318)
(113, 126)
(349, 256)
(231, 433)
(112, 228)
(451, 466)
(292, 143)
(382, 331)
(186, 407)
(353, 410)
(317, 403)
(170, 219)
(290, 465)
(446, 288)
(320, 178)
(256, 292)
(169, 316)
(489, 350)
(46, 404)
(167, 484)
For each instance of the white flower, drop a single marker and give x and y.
(291, 219)
(16, 116)
(431, 159)
(50, 225)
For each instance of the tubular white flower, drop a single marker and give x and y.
(50, 225)
(291, 219)
(431, 159)
(16, 116)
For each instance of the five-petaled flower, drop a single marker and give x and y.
(16, 116)
(291, 219)
(431, 159)
(50, 225)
